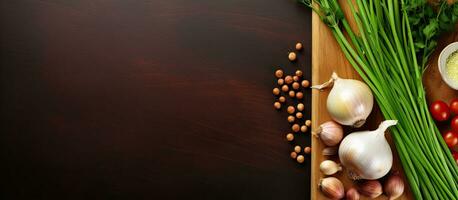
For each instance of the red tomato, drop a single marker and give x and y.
(455, 148)
(455, 155)
(454, 106)
(439, 110)
(454, 124)
(450, 138)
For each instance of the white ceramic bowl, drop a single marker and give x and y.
(442, 64)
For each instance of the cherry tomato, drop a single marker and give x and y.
(455, 155)
(454, 106)
(454, 124)
(450, 138)
(455, 149)
(439, 110)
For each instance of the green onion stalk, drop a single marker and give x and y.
(390, 50)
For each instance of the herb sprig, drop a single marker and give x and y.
(428, 21)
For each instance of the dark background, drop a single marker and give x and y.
(148, 99)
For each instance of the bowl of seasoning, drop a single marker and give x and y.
(448, 65)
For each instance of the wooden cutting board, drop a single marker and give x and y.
(326, 58)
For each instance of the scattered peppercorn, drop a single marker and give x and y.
(308, 122)
(305, 83)
(304, 128)
(288, 79)
(298, 46)
(295, 128)
(289, 137)
(279, 73)
(295, 85)
(277, 105)
(292, 56)
(300, 107)
(290, 109)
(291, 119)
(284, 88)
(307, 150)
(297, 149)
(276, 91)
(300, 159)
(291, 85)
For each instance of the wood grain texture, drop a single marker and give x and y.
(147, 99)
(327, 58)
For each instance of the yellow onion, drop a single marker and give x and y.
(350, 101)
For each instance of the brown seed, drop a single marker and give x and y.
(300, 159)
(295, 85)
(284, 88)
(289, 137)
(307, 150)
(297, 149)
(293, 155)
(290, 109)
(298, 46)
(304, 128)
(299, 95)
(291, 119)
(299, 115)
(292, 56)
(308, 122)
(292, 94)
(277, 105)
(305, 83)
(299, 73)
(295, 78)
(282, 99)
(288, 79)
(300, 107)
(295, 128)
(279, 73)
(281, 81)
(276, 91)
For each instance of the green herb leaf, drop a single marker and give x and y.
(431, 29)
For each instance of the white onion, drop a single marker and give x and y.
(367, 154)
(350, 101)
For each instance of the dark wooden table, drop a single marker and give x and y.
(147, 99)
